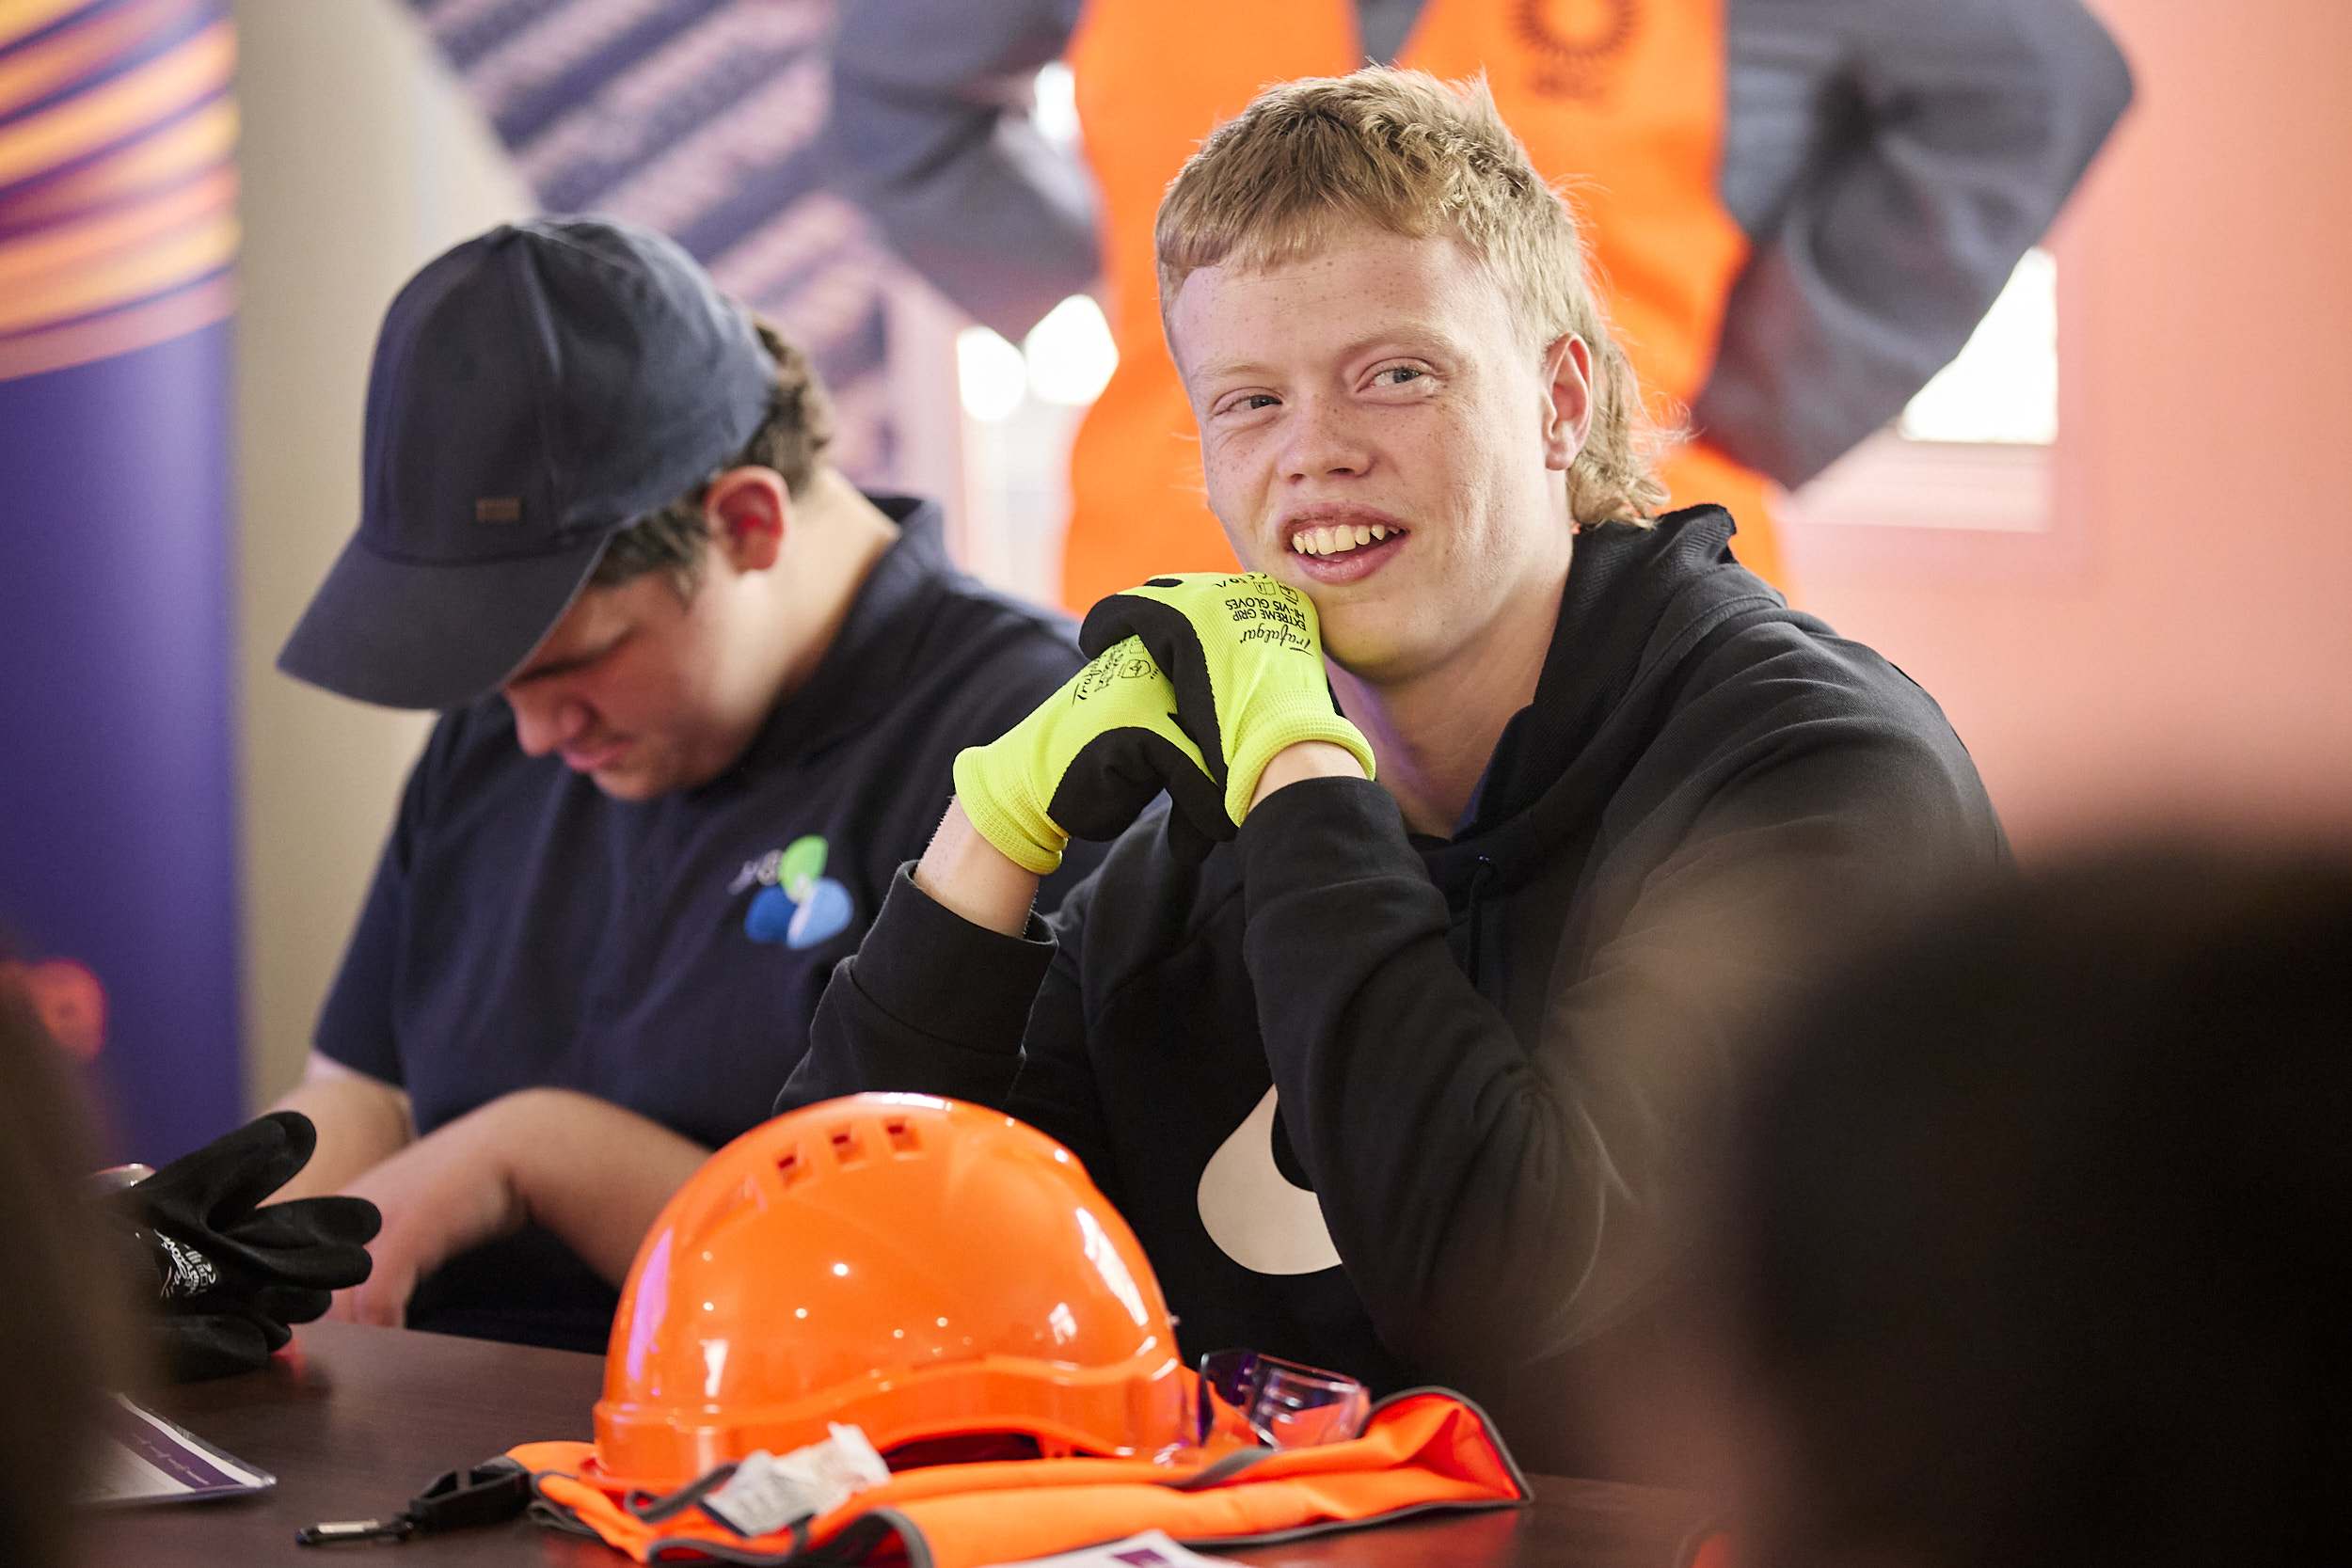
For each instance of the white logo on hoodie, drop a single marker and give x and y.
(1254, 1212)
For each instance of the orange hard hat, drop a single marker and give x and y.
(919, 1268)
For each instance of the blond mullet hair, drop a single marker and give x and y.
(1404, 152)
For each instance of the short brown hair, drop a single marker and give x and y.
(1406, 152)
(791, 440)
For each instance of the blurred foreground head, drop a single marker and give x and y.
(2041, 1231)
(53, 1298)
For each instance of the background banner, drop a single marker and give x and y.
(702, 119)
(118, 819)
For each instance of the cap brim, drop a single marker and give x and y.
(403, 635)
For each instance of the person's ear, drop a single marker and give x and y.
(748, 509)
(1567, 369)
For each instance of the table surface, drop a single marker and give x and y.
(354, 1421)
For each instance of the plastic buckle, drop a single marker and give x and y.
(486, 1494)
(491, 1493)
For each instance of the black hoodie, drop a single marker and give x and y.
(1495, 1055)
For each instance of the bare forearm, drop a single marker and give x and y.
(966, 874)
(592, 1173)
(361, 1123)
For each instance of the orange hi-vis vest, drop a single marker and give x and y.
(1622, 100)
(1419, 1453)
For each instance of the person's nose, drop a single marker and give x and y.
(545, 719)
(1322, 440)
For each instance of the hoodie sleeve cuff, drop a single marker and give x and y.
(1320, 832)
(936, 972)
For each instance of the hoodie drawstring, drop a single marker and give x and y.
(1479, 878)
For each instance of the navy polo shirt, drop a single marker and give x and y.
(525, 930)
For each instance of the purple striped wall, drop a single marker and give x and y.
(117, 808)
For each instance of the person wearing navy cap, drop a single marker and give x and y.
(700, 698)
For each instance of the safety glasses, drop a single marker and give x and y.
(1286, 1405)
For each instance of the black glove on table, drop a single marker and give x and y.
(224, 1276)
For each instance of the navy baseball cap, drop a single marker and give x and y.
(535, 391)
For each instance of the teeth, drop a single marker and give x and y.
(1336, 540)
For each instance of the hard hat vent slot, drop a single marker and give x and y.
(790, 1169)
(901, 1135)
(846, 1149)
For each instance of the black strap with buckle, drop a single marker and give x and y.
(491, 1493)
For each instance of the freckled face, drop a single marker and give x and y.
(1376, 432)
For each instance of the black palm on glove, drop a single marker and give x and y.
(1085, 763)
(226, 1275)
(1243, 654)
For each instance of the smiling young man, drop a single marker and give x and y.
(701, 697)
(1404, 1079)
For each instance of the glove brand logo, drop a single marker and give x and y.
(1118, 664)
(192, 1273)
(797, 904)
(1254, 1212)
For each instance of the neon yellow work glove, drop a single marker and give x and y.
(1087, 762)
(1245, 656)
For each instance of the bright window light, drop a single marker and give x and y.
(2004, 384)
(990, 374)
(1055, 115)
(1071, 354)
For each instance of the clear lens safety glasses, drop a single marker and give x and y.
(1286, 1405)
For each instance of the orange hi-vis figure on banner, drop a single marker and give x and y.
(1621, 105)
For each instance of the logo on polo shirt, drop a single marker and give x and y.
(797, 904)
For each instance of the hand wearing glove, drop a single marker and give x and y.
(1245, 656)
(226, 1275)
(1087, 762)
